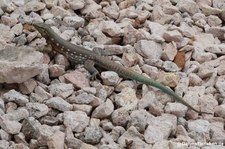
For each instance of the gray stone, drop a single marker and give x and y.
(111, 28)
(130, 35)
(7, 34)
(17, 115)
(9, 21)
(30, 128)
(20, 40)
(188, 6)
(61, 89)
(110, 78)
(208, 103)
(51, 120)
(168, 79)
(131, 59)
(68, 34)
(46, 15)
(103, 110)
(2, 104)
(74, 21)
(155, 133)
(208, 10)
(120, 117)
(139, 119)
(59, 104)
(205, 70)
(50, 3)
(126, 98)
(169, 52)
(57, 140)
(82, 107)
(92, 134)
(101, 38)
(150, 101)
(87, 146)
(44, 75)
(11, 127)
(132, 135)
(83, 98)
(112, 10)
(76, 120)
(28, 86)
(195, 80)
(165, 144)
(37, 110)
(200, 126)
(170, 66)
(106, 125)
(34, 6)
(77, 78)
(91, 90)
(214, 20)
(4, 144)
(56, 70)
(177, 109)
(91, 7)
(220, 110)
(216, 48)
(216, 31)
(173, 36)
(217, 132)
(62, 60)
(116, 132)
(11, 106)
(4, 135)
(59, 11)
(71, 141)
(148, 49)
(39, 95)
(19, 64)
(75, 5)
(14, 96)
(186, 30)
(44, 133)
(159, 16)
(20, 138)
(156, 28)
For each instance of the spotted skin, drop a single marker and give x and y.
(90, 59)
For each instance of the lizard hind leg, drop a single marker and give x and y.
(89, 65)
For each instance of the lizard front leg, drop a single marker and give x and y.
(89, 65)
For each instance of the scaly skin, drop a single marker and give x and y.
(89, 59)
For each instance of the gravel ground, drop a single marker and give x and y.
(48, 102)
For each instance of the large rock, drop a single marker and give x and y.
(18, 64)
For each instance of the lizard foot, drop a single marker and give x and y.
(95, 76)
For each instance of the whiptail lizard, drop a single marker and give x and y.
(90, 59)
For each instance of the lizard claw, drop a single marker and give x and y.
(94, 76)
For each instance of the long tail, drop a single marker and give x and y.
(165, 89)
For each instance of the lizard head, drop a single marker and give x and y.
(42, 28)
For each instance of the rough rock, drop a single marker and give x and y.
(37, 110)
(61, 89)
(188, 6)
(76, 120)
(19, 64)
(104, 110)
(77, 78)
(59, 104)
(127, 98)
(14, 96)
(148, 49)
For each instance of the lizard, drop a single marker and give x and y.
(90, 59)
